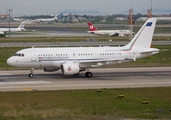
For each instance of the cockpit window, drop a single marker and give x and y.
(16, 54)
(19, 54)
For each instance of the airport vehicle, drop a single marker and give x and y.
(20, 28)
(73, 60)
(93, 30)
(46, 20)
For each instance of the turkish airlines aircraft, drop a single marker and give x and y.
(73, 60)
(93, 30)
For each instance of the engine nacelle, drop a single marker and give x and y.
(70, 68)
(50, 69)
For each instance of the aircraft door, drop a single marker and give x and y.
(33, 55)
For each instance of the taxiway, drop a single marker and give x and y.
(103, 78)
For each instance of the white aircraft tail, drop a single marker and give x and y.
(144, 36)
(55, 18)
(22, 26)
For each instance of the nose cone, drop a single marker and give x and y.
(11, 61)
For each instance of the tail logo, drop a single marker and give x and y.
(149, 24)
(91, 27)
(69, 68)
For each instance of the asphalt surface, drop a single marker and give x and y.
(102, 78)
(63, 33)
(56, 44)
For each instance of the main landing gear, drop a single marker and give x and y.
(88, 74)
(31, 75)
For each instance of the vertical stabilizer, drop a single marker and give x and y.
(144, 36)
(22, 25)
(91, 27)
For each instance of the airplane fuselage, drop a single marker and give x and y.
(54, 57)
(111, 32)
(11, 29)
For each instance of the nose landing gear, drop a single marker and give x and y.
(31, 75)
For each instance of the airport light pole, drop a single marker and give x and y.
(9, 21)
(151, 8)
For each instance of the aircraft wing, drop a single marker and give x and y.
(114, 34)
(100, 62)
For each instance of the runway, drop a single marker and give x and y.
(102, 78)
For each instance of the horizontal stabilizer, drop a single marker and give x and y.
(150, 51)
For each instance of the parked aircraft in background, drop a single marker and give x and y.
(5, 30)
(73, 60)
(46, 20)
(93, 30)
(17, 19)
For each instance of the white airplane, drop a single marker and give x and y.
(20, 28)
(93, 30)
(2, 34)
(73, 60)
(17, 19)
(46, 20)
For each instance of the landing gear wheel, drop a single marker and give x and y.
(88, 74)
(31, 75)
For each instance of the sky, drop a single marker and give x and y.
(39, 7)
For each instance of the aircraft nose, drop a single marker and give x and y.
(10, 61)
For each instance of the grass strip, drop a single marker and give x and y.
(75, 39)
(87, 104)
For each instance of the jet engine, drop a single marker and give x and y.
(70, 68)
(50, 69)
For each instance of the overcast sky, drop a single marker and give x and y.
(37, 7)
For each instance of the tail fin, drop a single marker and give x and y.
(144, 36)
(91, 27)
(22, 25)
(11, 18)
(55, 18)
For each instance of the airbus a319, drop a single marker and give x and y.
(73, 60)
